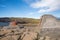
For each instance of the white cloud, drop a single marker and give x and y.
(42, 10)
(51, 4)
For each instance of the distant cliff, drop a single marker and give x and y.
(20, 20)
(4, 19)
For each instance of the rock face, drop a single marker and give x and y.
(50, 26)
(49, 21)
(48, 29)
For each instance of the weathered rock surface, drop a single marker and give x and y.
(50, 27)
(49, 21)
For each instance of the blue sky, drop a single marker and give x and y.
(29, 8)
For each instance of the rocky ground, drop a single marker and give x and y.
(48, 29)
(27, 34)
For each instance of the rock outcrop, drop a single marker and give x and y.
(49, 21)
(50, 26)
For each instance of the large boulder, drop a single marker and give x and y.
(49, 21)
(50, 27)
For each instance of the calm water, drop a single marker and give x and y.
(4, 23)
